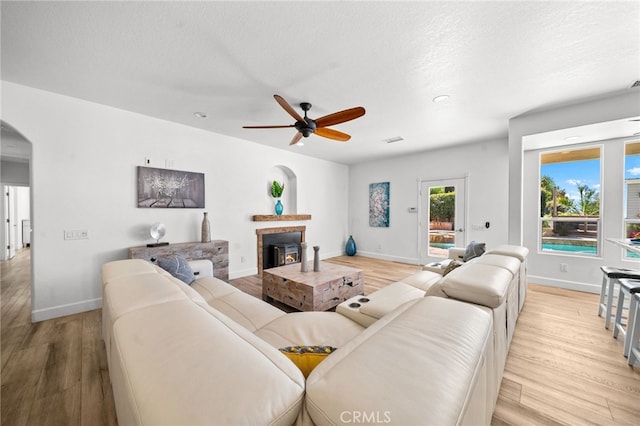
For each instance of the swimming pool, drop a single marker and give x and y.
(570, 248)
(441, 245)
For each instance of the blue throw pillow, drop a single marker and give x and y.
(178, 267)
(473, 250)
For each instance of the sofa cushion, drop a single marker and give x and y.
(178, 267)
(177, 363)
(212, 288)
(509, 263)
(389, 298)
(249, 311)
(519, 252)
(309, 328)
(128, 294)
(473, 250)
(127, 268)
(431, 350)
(477, 283)
(422, 280)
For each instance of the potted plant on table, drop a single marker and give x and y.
(276, 192)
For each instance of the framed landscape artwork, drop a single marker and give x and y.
(379, 204)
(166, 188)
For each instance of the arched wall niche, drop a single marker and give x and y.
(289, 199)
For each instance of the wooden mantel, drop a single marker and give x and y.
(282, 217)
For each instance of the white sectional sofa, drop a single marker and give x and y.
(208, 354)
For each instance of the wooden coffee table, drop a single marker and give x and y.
(312, 291)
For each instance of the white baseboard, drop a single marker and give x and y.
(38, 315)
(569, 285)
(409, 260)
(243, 273)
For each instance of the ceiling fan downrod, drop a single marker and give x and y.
(308, 126)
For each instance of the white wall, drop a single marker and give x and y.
(486, 164)
(84, 177)
(614, 106)
(583, 272)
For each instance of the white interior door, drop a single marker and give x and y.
(442, 217)
(10, 230)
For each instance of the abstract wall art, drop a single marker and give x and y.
(379, 204)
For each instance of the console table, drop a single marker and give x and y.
(217, 251)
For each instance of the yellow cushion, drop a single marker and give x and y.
(307, 357)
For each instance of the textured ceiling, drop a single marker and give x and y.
(496, 60)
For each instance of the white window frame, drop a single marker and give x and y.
(599, 220)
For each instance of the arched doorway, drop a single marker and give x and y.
(16, 209)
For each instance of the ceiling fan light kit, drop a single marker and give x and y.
(307, 126)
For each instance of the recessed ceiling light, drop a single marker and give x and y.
(393, 139)
(571, 138)
(441, 98)
(200, 114)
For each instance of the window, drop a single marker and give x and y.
(570, 202)
(631, 196)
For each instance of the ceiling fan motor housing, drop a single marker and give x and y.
(306, 127)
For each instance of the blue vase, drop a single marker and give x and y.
(279, 208)
(350, 248)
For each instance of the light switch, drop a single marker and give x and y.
(76, 234)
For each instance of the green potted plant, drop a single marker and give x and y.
(277, 189)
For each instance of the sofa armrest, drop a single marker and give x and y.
(456, 253)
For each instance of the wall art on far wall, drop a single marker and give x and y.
(379, 204)
(166, 188)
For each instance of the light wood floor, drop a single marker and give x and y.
(563, 367)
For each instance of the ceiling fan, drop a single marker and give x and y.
(306, 126)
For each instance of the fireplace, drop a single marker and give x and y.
(278, 245)
(284, 254)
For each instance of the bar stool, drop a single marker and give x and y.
(610, 277)
(627, 286)
(634, 349)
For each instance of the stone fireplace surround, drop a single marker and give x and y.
(266, 231)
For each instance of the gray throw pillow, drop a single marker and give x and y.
(178, 267)
(473, 250)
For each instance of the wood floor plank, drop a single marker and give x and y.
(563, 368)
(96, 386)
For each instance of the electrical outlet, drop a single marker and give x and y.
(564, 267)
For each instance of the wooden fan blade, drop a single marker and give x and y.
(296, 139)
(284, 126)
(340, 117)
(292, 112)
(332, 134)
